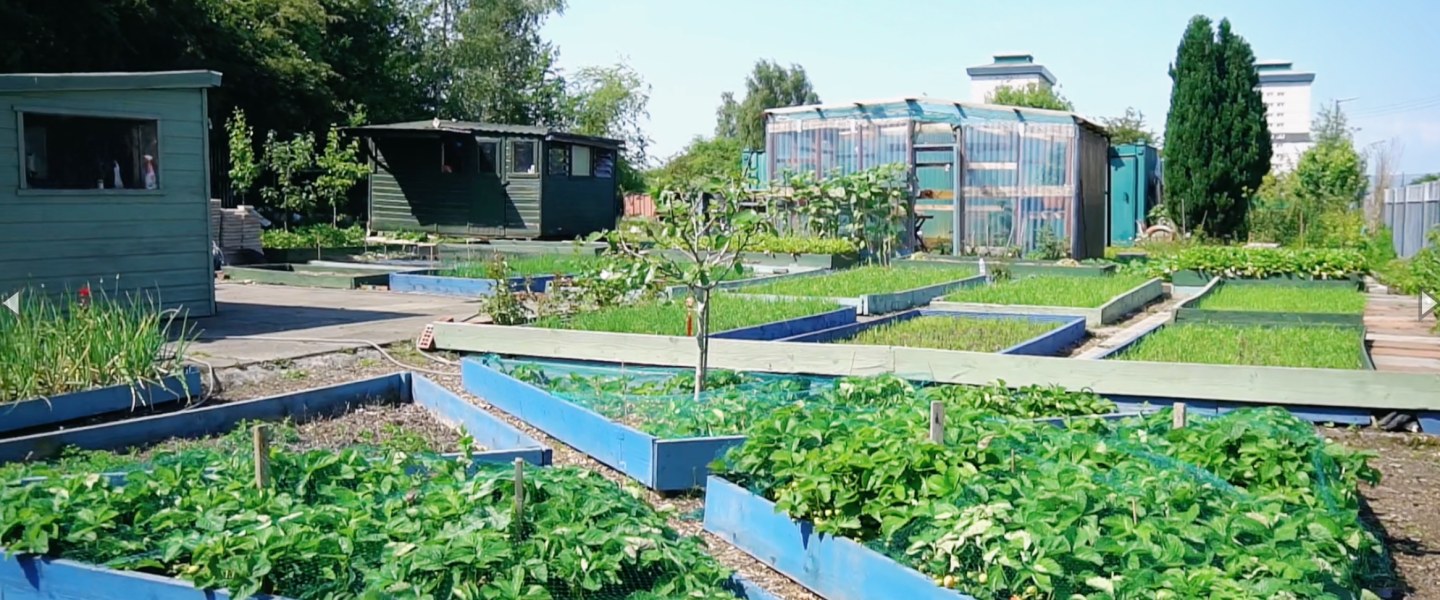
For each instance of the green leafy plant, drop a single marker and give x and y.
(1051, 290)
(1285, 299)
(870, 279)
(520, 265)
(1256, 263)
(970, 334)
(244, 169)
(348, 525)
(1132, 510)
(320, 235)
(503, 305)
(340, 168)
(80, 340)
(669, 317)
(865, 207)
(1320, 347)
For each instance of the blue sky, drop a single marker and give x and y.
(1107, 55)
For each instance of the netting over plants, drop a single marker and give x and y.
(1251, 505)
(350, 524)
(661, 401)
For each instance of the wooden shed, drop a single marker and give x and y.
(487, 180)
(104, 182)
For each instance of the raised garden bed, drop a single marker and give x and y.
(1194, 278)
(645, 423)
(470, 279)
(303, 255)
(1100, 300)
(317, 276)
(502, 443)
(1020, 268)
(41, 412)
(873, 290)
(1033, 335)
(1296, 346)
(1249, 302)
(1006, 503)
(731, 317)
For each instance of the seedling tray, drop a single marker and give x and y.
(502, 442)
(39, 412)
(1068, 331)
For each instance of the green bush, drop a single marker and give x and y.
(1258, 263)
(314, 236)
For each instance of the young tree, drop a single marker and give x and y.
(290, 161)
(1030, 95)
(340, 169)
(1129, 129)
(1217, 145)
(709, 227)
(1331, 175)
(768, 86)
(244, 169)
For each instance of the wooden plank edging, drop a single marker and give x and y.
(37, 412)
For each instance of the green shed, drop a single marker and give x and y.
(105, 182)
(1135, 188)
(490, 181)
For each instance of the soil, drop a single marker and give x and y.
(1104, 332)
(1405, 507)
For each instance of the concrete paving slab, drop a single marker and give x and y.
(249, 312)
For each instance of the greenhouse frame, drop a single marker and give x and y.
(1031, 178)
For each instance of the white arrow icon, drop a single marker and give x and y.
(1427, 304)
(13, 303)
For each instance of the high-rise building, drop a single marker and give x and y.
(1013, 70)
(1287, 110)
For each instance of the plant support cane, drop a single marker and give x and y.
(261, 436)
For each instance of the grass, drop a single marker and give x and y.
(521, 266)
(971, 334)
(668, 318)
(1051, 290)
(853, 283)
(57, 347)
(1321, 347)
(1288, 299)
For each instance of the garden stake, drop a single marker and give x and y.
(262, 456)
(519, 494)
(1178, 416)
(937, 422)
(1135, 512)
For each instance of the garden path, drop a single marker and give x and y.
(1399, 342)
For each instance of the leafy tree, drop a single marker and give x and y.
(1426, 178)
(1217, 142)
(702, 159)
(707, 226)
(244, 169)
(613, 102)
(1030, 95)
(1129, 129)
(500, 70)
(289, 161)
(768, 86)
(1331, 175)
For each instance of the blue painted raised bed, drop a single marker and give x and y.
(427, 282)
(840, 317)
(503, 443)
(28, 577)
(1068, 331)
(658, 464)
(835, 568)
(39, 412)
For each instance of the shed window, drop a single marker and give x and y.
(557, 162)
(580, 161)
(488, 150)
(452, 156)
(605, 164)
(522, 157)
(65, 152)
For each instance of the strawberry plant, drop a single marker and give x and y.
(1250, 505)
(344, 525)
(1256, 263)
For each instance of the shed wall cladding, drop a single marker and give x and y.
(408, 191)
(578, 204)
(127, 241)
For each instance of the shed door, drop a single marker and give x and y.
(487, 208)
(525, 164)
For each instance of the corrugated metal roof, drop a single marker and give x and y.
(471, 127)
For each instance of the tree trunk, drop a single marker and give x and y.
(702, 336)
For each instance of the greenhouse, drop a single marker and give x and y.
(1032, 178)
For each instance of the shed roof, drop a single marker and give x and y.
(75, 82)
(931, 110)
(473, 127)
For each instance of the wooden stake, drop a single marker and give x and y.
(937, 422)
(519, 493)
(1178, 413)
(261, 435)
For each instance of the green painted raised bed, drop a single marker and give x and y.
(1112, 310)
(447, 252)
(1195, 309)
(1018, 268)
(1192, 278)
(318, 276)
(301, 255)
